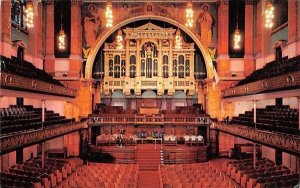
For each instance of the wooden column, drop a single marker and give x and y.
(43, 113)
(138, 61)
(127, 74)
(299, 113)
(254, 144)
(90, 135)
(43, 155)
(159, 68)
(249, 64)
(171, 58)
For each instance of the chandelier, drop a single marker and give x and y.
(108, 14)
(119, 39)
(61, 40)
(237, 39)
(237, 34)
(269, 14)
(189, 14)
(178, 40)
(61, 35)
(29, 15)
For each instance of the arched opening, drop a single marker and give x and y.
(195, 37)
(118, 99)
(149, 99)
(178, 99)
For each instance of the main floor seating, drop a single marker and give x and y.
(104, 175)
(274, 68)
(23, 118)
(193, 175)
(26, 69)
(279, 119)
(265, 174)
(32, 174)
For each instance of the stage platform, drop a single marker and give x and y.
(175, 154)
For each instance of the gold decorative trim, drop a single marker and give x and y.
(22, 139)
(15, 81)
(287, 142)
(274, 83)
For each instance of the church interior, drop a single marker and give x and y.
(150, 94)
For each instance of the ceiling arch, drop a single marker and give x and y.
(102, 38)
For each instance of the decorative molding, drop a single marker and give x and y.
(113, 119)
(223, 2)
(12, 142)
(283, 141)
(76, 2)
(275, 83)
(16, 82)
(249, 2)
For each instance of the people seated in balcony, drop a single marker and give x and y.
(143, 134)
(155, 134)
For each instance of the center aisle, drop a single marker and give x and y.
(148, 159)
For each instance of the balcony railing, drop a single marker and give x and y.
(278, 140)
(148, 119)
(9, 143)
(16, 82)
(277, 83)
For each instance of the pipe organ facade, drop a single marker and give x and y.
(149, 61)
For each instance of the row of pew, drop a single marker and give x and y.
(103, 175)
(193, 175)
(23, 118)
(26, 69)
(272, 69)
(32, 174)
(265, 174)
(278, 119)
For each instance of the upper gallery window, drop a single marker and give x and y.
(18, 8)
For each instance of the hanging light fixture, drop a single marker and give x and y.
(29, 15)
(119, 39)
(178, 40)
(269, 14)
(61, 35)
(108, 14)
(237, 34)
(189, 14)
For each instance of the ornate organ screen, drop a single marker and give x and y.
(149, 61)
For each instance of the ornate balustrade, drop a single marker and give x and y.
(16, 82)
(287, 142)
(287, 81)
(149, 119)
(9, 143)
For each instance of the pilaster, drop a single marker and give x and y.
(293, 23)
(223, 38)
(76, 40)
(5, 28)
(49, 60)
(127, 66)
(249, 65)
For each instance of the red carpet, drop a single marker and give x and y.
(148, 159)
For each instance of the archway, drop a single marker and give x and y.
(178, 99)
(118, 99)
(107, 33)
